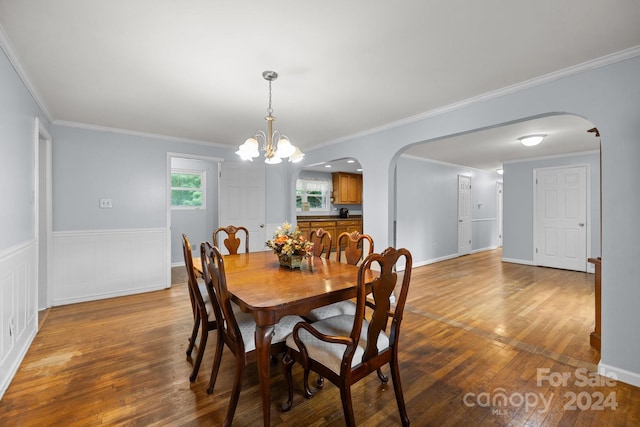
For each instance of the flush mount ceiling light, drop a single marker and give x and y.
(274, 145)
(531, 140)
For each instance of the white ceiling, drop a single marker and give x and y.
(192, 69)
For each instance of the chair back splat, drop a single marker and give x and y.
(346, 348)
(232, 242)
(354, 244)
(321, 242)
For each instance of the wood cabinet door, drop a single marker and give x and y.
(347, 188)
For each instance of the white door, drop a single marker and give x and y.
(242, 200)
(464, 215)
(561, 218)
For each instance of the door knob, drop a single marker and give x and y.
(261, 225)
(581, 224)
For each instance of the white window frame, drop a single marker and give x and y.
(202, 189)
(326, 193)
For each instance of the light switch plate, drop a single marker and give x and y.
(105, 204)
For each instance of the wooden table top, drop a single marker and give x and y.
(258, 284)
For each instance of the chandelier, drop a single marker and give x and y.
(274, 145)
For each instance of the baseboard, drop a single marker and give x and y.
(433, 260)
(488, 248)
(619, 374)
(107, 295)
(518, 261)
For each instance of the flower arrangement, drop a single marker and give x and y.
(287, 241)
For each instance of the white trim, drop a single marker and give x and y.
(518, 261)
(98, 128)
(553, 156)
(40, 130)
(16, 248)
(468, 169)
(527, 84)
(619, 374)
(5, 45)
(18, 293)
(485, 249)
(433, 260)
(107, 232)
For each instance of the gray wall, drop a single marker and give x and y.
(518, 204)
(17, 174)
(129, 169)
(427, 215)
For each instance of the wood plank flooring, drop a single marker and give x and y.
(476, 337)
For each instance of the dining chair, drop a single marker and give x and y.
(236, 329)
(321, 242)
(355, 244)
(347, 348)
(232, 242)
(203, 314)
(354, 249)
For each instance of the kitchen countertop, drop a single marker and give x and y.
(327, 218)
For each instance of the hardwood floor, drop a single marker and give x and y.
(477, 337)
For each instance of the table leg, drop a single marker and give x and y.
(263, 354)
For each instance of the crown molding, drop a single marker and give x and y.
(6, 46)
(552, 156)
(97, 128)
(536, 81)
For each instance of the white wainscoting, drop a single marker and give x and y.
(98, 264)
(18, 308)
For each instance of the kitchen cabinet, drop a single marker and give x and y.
(347, 188)
(332, 225)
(305, 228)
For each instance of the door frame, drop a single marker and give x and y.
(499, 209)
(470, 225)
(41, 133)
(171, 155)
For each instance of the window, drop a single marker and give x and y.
(188, 189)
(314, 193)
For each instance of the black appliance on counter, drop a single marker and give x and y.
(344, 213)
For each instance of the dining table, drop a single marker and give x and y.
(259, 285)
